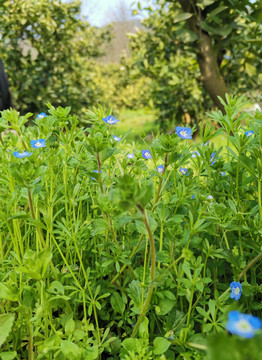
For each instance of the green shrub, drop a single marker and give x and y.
(105, 256)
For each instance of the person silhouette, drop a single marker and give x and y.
(5, 94)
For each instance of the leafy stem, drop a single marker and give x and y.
(152, 273)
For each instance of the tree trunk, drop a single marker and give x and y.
(213, 81)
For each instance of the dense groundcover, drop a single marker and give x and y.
(115, 251)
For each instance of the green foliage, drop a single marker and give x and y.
(129, 262)
(121, 87)
(168, 51)
(48, 52)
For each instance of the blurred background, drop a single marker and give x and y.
(156, 63)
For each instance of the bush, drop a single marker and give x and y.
(116, 256)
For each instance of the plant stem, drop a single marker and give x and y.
(99, 170)
(259, 198)
(152, 273)
(161, 180)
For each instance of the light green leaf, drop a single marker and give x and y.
(160, 345)
(6, 324)
(70, 350)
(7, 293)
(8, 355)
(182, 17)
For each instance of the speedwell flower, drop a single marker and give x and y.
(249, 133)
(160, 168)
(243, 324)
(38, 143)
(22, 154)
(212, 160)
(236, 288)
(146, 154)
(130, 156)
(41, 115)
(183, 171)
(116, 138)
(95, 171)
(111, 120)
(184, 132)
(195, 154)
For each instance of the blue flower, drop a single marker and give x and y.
(111, 120)
(146, 154)
(183, 171)
(212, 158)
(184, 132)
(193, 196)
(21, 155)
(116, 138)
(38, 143)
(195, 154)
(236, 288)
(223, 173)
(130, 156)
(205, 143)
(160, 168)
(243, 325)
(41, 116)
(95, 171)
(249, 133)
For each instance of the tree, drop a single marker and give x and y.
(48, 52)
(222, 37)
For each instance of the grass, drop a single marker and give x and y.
(142, 122)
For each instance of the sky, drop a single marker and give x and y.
(101, 12)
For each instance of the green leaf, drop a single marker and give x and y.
(6, 324)
(117, 303)
(182, 17)
(99, 227)
(70, 350)
(217, 11)
(205, 3)
(165, 306)
(160, 345)
(8, 355)
(8, 293)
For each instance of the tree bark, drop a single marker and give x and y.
(212, 79)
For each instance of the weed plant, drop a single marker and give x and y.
(109, 253)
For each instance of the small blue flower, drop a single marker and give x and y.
(95, 171)
(160, 168)
(236, 288)
(111, 120)
(223, 173)
(146, 154)
(183, 171)
(130, 156)
(195, 154)
(243, 325)
(193, 196)
(41, 115)
(21, 155)
(184, 132)
(249, 133)
(205, 143)
(116, 138)
(38, 143)
(212, 158)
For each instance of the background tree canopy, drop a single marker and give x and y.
(196, 50)
(49, 52)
